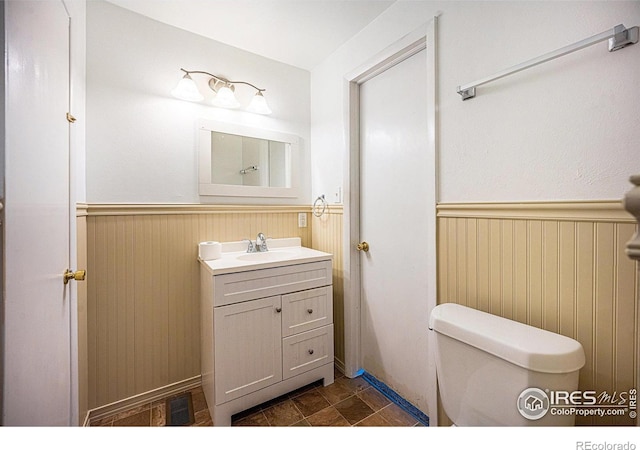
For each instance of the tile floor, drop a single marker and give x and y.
(347, 402)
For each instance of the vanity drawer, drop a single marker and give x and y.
(242, 286)
(306, 351)
(306, 310)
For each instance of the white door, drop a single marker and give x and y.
(394, 215)
(37, 346)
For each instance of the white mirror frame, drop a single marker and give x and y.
(207, 188)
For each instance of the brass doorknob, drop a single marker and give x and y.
(363, 246)
(78, 275)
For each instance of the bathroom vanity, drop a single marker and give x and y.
(266, 324)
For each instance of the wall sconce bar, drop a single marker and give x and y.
(224, 92)
(216, 79)
(619, 37)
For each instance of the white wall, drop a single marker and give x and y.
(77, 10)
(141, 142)
(565, 130)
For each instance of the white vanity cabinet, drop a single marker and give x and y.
(265, 332)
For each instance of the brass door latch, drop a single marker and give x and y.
(78, 275)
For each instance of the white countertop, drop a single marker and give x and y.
(282, 252)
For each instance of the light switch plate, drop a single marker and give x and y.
(302, 220)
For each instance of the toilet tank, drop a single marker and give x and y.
(494, 371)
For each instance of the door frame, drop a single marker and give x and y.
(424, 37)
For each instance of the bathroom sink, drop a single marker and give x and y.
(282, 252)
(272, 255)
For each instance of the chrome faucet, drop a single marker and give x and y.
(261, 243)
(251, 248)
(259, 246)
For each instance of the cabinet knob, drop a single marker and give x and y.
(278, 309)
(310, 311)
(311, 351)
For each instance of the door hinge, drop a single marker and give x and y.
(70, 118)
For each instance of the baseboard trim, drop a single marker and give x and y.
(338, 365)
(141, 399)
(396, 398)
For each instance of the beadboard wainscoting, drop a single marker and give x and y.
(326, 232)
(557, 266)
(143, 324)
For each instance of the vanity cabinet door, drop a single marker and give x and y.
(306, 310)
(248, 352)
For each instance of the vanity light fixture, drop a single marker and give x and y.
(224, 92)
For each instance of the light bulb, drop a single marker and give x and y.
(187, 90)
(258, 104)
(225, 98)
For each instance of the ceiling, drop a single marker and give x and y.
(301, 33)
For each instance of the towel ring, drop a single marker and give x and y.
(319, 206)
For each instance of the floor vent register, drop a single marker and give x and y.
(179, 411)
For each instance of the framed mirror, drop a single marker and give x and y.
(236, 160)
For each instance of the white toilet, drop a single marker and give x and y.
(494, 371)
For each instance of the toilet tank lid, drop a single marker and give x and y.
(526, 346)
